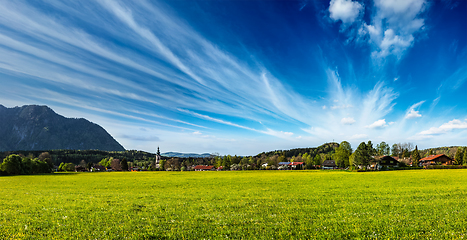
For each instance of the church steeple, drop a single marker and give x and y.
(158, 156)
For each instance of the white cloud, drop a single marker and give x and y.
(446, 127)
(345, 10)
(412, 113)
(393, 26)
(378, 124)
(197, 133)
(348, 121)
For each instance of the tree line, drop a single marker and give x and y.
(15, 164)
(312, 158)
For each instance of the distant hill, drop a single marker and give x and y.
(448, 151)
(33, 127)
(326, 148)
(185, 155)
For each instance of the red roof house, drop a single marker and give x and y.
(439, 159)
(203, 168)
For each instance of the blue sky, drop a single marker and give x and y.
(243, 77)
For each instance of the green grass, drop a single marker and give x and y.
(420, 204)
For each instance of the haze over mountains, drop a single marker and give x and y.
(33, 127)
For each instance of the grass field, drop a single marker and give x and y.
(419, 204)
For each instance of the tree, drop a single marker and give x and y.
(352, 160)
(82, 163)
(105, 162)
(162, 164)
(124, 164)
(415, 157)
(26, 165)
(12, 165)
(217, 161)
(342, 154)
(458, 157)
(382, 149)
(115, 165)
(430, 152)
(317, 160)
(226, 162)
(60, 168)
(370, 149)
(362, 155)
(395, 150)
(172, 164)
(68, 167)
(464, 160)
(45, 156)
(89, 166)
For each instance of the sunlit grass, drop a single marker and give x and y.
(252, 204)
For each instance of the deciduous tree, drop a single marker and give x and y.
(362, 155)
(12, 165)
(317, 160)
(342, 154)
(382, 149)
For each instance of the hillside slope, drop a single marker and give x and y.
(33, 127)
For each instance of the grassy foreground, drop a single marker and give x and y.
(419, 204)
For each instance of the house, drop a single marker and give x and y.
(383, 161)
(80, 169)
(98, 168)
(439, 159)
(291, 165)
(296, 165)
(329, 164)
(204, 168)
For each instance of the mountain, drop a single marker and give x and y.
(33, 127)
(185, 155)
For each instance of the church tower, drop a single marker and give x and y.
(158, 156)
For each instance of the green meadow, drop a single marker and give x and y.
(415, 204)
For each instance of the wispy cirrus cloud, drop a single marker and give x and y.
(147, 64)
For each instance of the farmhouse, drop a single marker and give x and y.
(292, 165)
(329, 164)
(296, 165)
(439, 159)
(80, 169)
(204, 168)
(383, 161)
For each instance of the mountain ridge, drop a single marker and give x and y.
(34, 127)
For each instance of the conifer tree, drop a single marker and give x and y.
(458, 157)
(415, 157)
